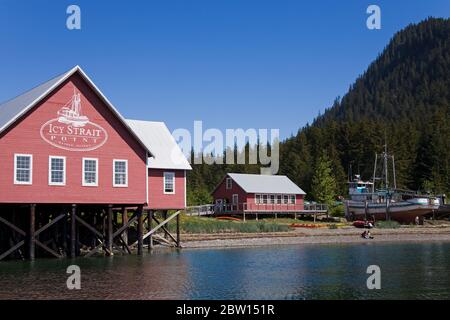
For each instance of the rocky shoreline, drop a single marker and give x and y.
(316, 236)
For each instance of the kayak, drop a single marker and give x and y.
(362, 224)
(305, 225)
(228, 218)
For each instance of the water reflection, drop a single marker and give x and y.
(409, 271)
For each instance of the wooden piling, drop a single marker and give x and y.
(32, 230)
(125, 222)
(178, 231)
(140, 231)
(150, 224)
(167, 224)
(109, 239)
(73, 235)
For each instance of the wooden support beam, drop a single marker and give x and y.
(109, 235)
(73, 235)
(166, 231)
(150, 223)
(48, 225)
(125, 223)
(160, 225)
(126, 226)
(31, 235)
(101, 245)
(43, 246)
(88, 226)
(178, 231)
(140, 230)
(17, 245)
(164, 218)
(12, 226)
(12, 249)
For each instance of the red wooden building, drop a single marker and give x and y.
(69, 155)
(254, 193)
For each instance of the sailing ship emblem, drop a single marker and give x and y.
(71, 129)
(71, 112)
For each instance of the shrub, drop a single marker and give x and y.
(387, 224)
(337, 211)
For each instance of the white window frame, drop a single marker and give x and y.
(229, 183)
(258, 201)
(285, 199)
(50, 182)
(15, 169)
(235, 196)
(290, 198)
(272, 199)
(164, 181)
(83, 182)
(279, 199)
(266, 198)
(118, 185)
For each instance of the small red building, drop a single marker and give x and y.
(254, 193)
(166, 170)
(65, 148)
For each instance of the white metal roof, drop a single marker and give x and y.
(12, 110)
(258, 183)
(157, 137)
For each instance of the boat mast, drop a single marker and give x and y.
(374, 173)
(393, 170)
(386, 167)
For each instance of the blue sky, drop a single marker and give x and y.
(230, 63)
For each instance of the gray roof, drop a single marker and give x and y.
(12, 110)
(157, 137)
(257, 183)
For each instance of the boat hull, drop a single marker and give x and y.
(403, 212)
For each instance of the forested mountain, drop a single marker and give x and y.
(403, 97)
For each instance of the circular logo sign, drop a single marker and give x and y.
(74, 136)
(72, 130)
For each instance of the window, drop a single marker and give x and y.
(235, 199)
(292, 198)
(23, 169)
(169, 182)
(120, 173)
(229, 183)
(264, 198)
(56, 171)
(279, 199)
(90, 172)
(285, 199)
(257, 198)
(272, 198)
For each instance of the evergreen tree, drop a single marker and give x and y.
(323, 188)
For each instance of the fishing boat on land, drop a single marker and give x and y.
(367, 202)
(70, 113)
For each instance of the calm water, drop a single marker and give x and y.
(409, 271)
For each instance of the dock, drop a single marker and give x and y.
(246, 210)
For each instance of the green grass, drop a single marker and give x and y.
(212, 225)
(387, 224)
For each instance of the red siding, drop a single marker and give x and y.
(222, 192)
(249, 198)
(156, 197)
(299, 204)
(24, 137)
